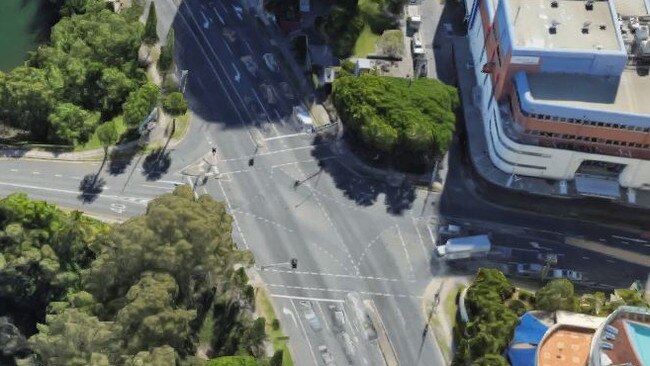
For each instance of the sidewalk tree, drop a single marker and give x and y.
(114, 87)
(140, 103)
(107, 135)
(166, 59)
(150, 36)
(175, 104)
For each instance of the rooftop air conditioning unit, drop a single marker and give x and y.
(585, 27)
(589, 4)
(553, 27)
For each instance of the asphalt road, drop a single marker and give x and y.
(350, 234)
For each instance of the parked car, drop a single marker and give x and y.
(326, 356)
(268, 93)
(338, 317)
(416, 46)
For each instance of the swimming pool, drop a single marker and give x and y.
(640, 336)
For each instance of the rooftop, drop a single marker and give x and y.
(628, 344)
(566, 346)
(533, 18)
(627, 94)
(630, 7)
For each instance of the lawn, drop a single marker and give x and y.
(277, 337)
(365, 43)
(182, 123)
(93, 142)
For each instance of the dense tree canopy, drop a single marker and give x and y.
(90, 62)
(394, 115)
(140, 103)
(128, 294)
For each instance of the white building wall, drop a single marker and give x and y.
(536, 161)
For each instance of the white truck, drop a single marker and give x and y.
(465, 247)
(413, 17)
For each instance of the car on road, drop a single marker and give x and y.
(271, 63)
(338, 317)
(326, 356)
(268, 93)
(450, 230)
(286, 90)
(348, 346)
(416, 46)
(310, 315)
(250, 64)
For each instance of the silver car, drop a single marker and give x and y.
(310, 315)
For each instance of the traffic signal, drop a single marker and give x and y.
(251, 161)
(294, 263)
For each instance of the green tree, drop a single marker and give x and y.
(72, 124)
(166, 59)
(26, 99)
(159, 356)
(107, 135)
(557, 295)
(276, 360)
(140, 103)
(392, 116)
(491, 360)
(391, 43)
(114, 87)
(76, 338)
(150, 28)
(233, 361)
(175, 104)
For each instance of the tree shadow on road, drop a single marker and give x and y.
(358, 185)
(90, 187)
(119, 160)
(156, 164)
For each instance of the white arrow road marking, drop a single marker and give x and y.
(288, 312)
(118, 207)
(206, 21)
(237, 75)
(239, 11)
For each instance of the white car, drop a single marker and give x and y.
(416, 46)
(311, 317)
(269, 59)
(348, 347)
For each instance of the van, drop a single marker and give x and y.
(416, 46)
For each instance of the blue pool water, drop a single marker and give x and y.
(640, 337)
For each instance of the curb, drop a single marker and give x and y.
(385, 344)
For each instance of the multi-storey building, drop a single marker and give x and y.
(564, 89)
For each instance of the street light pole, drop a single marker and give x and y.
(183, 81)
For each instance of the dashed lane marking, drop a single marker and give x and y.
(372, 242)
(335, 290)
(264, 219)
(406, 252)
(317, 299)
(339, 275)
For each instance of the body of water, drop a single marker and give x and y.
(23, 25)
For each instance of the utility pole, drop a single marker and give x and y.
(293, 263)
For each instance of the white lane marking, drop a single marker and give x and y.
(302, 161)
(249, 47)
(156, 187)
(286, 136)
(237, 74)
(234, 217)
(433, 238)
(14, 170)
(304, 333)
(290, 313)
(261, 104)
(206, 21)
(218, 16)
(320, 307)
(264, 219)
(610, 261)
(58, 175)
(36, 173)
(139, 200)
(372, 242)
(272, 152)
(406, 252)
(585, 257)
(343, 291)
(425, 251)
(228, 47)
(339, 275)
(279, 117)
(628, 238)
(118, 207)
(170, 182)
(316, 299)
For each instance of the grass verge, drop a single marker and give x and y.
(277, 337)
(93, 142)
(365, 43)
(182, 123)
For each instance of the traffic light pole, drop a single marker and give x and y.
(293, 263)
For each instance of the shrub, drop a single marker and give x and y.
(175, 104)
